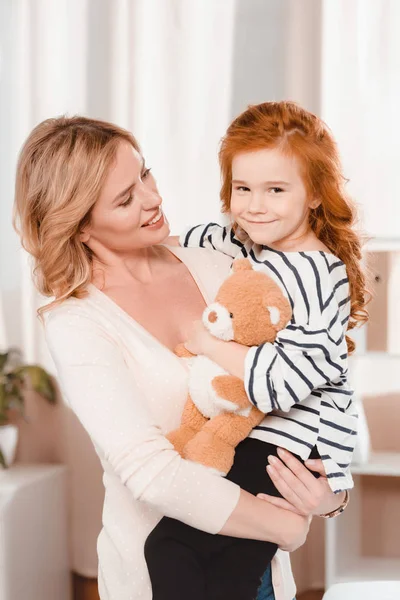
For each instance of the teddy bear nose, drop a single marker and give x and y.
(212, 317)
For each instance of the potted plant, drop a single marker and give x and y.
(15, 379)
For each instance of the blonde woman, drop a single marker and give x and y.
(88, 210)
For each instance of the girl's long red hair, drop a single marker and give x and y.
(299, 133)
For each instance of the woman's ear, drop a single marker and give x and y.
(84, 236)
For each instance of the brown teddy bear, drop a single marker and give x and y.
(250, 308)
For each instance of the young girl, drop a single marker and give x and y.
(283, 187)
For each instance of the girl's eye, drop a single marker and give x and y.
(275, 190)
(146, 173)
(242, 188)
(128, 201)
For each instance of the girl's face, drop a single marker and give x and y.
(127, 216)
(269, 199)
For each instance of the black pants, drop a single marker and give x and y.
(188, 564)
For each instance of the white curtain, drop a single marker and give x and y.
(162, 69)
(360, 101)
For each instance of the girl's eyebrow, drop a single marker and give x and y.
(241, 181)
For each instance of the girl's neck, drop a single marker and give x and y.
(305, 242)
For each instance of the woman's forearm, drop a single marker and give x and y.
(254, 519)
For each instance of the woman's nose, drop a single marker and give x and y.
(150, 198)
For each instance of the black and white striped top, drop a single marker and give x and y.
(301, 379)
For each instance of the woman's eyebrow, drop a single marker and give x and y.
(124, 192)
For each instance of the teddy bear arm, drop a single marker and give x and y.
(231, 388)
(233, 428)
(182, 352)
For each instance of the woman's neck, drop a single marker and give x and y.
(142, 266)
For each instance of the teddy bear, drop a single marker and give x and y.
(250, 309)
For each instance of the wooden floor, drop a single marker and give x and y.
(314, 595)
(86, 589)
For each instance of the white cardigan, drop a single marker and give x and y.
(128, 390)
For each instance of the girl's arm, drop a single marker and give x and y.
(102, 392)
(214, 237)
(278, 375)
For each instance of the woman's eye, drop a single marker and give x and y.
(242, 188)
(128, 201)
(275, 190)
(146, 173)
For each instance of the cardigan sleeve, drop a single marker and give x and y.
(100, 389)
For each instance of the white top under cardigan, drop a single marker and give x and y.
(128, 390)
(301, 379)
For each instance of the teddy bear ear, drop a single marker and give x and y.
(275, 314)
(242, 264)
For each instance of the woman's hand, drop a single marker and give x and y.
(302, 492)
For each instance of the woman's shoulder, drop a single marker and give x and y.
(72, 313)
(210, 266)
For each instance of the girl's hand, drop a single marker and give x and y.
(302, 492)
(199, 339)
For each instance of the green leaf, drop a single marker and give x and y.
(40, 381)
(3, 404)
(2, 460)
(3, 361)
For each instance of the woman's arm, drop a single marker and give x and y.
(102, 392)
(250, 520)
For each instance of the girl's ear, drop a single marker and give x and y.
(314, 203)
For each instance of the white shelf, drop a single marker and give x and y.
(34, 557)
(383, 245)
(380, 463)
(371, 568)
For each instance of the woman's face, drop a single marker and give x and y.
(127, 215)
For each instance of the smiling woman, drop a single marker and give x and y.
(89, 213)
(128, 212)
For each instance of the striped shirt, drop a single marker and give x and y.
(300, 380)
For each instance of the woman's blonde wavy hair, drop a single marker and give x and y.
(299, 133)
(60, 173)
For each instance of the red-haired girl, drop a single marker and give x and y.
(282, 186)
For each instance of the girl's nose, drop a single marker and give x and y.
(257, 204)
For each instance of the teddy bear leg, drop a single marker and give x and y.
(192, 421)
(214, 446)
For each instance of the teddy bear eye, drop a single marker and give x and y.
(231, 315)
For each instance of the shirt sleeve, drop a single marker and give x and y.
(304, 357)
(214, 237)
(101, 390)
